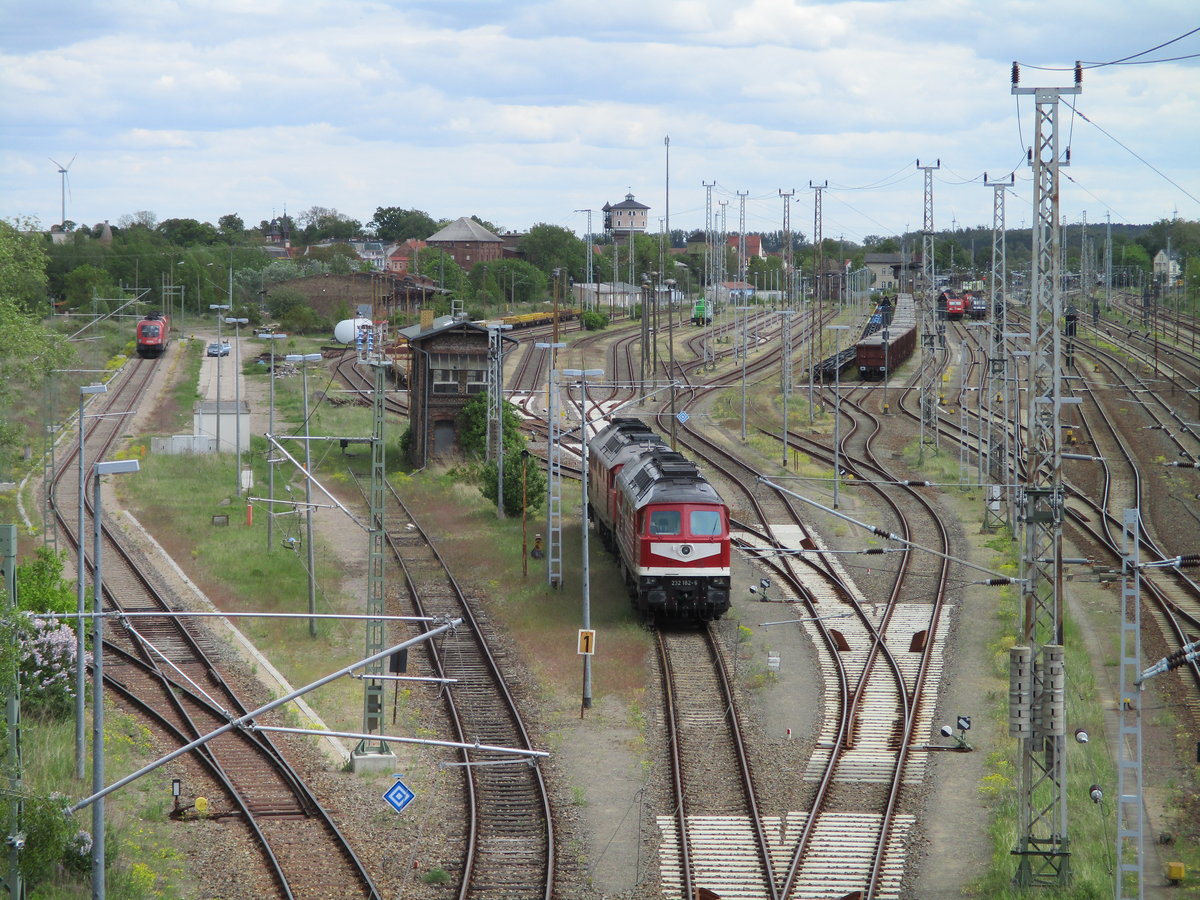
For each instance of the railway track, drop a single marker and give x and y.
(716, 839)
(158, 665)
(508, 836)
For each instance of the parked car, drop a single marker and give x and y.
(221, 349)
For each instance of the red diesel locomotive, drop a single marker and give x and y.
(153, 335)
(667, 526)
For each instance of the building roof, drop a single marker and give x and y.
(463, 229)
(627, 203)
(439, 328)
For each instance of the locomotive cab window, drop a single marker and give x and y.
(665, 521)
(705, 522)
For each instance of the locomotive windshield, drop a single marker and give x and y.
(150, 330)
(705, 522)
(665, 521)
(700, 522)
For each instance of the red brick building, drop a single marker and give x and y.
(468, 243)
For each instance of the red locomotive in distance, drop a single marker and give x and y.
(153, 335)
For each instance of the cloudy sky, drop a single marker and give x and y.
(526, 111)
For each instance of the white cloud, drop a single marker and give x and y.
(523, 112)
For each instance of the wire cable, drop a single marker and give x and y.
(1140, 159)
(1125, 60)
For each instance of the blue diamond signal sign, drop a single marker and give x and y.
(682, 416)
(398, 795)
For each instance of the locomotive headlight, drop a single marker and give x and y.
(685, 550)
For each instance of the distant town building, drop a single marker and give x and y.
(402, 258)
(625, 218)
(885, 270)
(1166, 269)
(468, 243)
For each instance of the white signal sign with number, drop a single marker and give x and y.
(587, 641)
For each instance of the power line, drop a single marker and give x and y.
(1132, 153)
(1126, 60)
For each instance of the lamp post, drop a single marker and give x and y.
(304, 359)
(271, 338)
(583, 375)
(114, 467)
(837, 409)
(218, 308)
(80, 678)
(886, 369)
(524, 506)
(237, 392)
(671, 351)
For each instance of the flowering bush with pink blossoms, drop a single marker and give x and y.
(47, 664)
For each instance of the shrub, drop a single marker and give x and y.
(46, 657)
(593, 320)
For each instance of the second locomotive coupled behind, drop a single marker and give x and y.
(153, 333)
(667, 526)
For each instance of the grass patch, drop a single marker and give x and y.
(143, 862)
(1090, 826)
(542, 620)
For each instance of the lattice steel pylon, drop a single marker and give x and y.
(708, 290)
(787, 241)
(370, 353)
(1130, 817)
(933, 331)
(554, 559)
(818, 281)
(1043, 847)
(997, 501)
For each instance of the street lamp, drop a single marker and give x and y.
(837, 409)
(886, 371)
(583, 375)
(271, 338)
(671, 351)
(237, 392)
(218, 308)
(80, 681)
(304, 359)
(113, 467)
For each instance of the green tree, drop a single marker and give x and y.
(22, 265)
(524, 480)
(283, 300)
(511, 280)
(187, 231)
(303, 320)
(391, 223)
(550, 247)
(321, 223)
(439, 265)
(232, 227)
(85, 282)
(473, 428)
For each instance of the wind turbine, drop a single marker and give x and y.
(62, 170)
